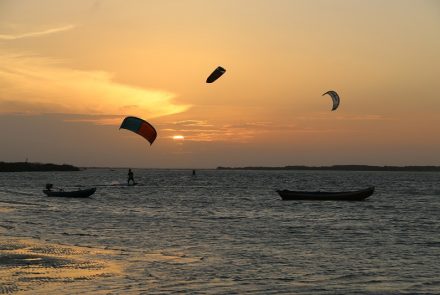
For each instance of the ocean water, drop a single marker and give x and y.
(219, 232)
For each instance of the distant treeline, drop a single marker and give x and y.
(25, 166)
(342, 168)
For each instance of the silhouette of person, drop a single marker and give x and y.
(130, 177)
(194, 172)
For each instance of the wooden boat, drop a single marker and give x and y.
(85, 193)
(359, 195)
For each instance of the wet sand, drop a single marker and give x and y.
(29, 266)
(33, 267)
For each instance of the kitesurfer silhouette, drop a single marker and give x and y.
(130, 177)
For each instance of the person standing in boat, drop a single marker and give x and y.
(130, 177)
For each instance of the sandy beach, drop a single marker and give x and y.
(36, 266)
(29, 266)
(33, 266)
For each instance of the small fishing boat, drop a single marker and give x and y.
(359, 195)
(85, 193)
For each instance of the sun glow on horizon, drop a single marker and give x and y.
(178, 137)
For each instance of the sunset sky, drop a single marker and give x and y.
(70, 71)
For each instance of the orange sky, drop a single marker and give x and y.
(71, 70)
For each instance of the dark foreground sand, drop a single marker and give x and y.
(34, 267)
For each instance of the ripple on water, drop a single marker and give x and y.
(225, 232)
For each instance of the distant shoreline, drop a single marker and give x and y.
(29, 167)
(42, 167)
(342, 168)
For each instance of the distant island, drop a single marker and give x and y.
(25, 167)
(343, 168)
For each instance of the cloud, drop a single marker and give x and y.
(345, 117)
(36, 85)
(368, 117)
(190, 123)
(37, 34)
(243, 132)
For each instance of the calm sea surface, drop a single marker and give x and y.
(228, 232)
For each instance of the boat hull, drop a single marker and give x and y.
(359, 195)
(71, 194)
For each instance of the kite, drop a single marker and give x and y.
(335, 98)
(141, 127)
(215, 75)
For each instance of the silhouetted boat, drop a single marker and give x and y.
(323, 196)
(85, 193)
